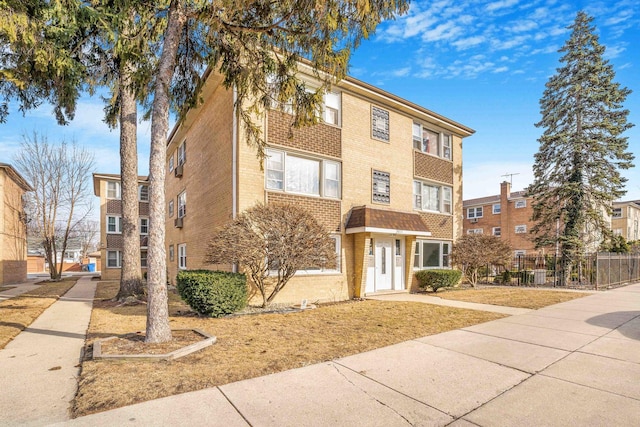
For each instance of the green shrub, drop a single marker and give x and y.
(526, 277)
(506, 277)
(213, 293)
(436, 279)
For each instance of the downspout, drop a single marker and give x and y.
(234, 164)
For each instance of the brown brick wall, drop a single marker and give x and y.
(508, 218)
(430, 167)
(114, 206)
(321, 138)
(440, 226)
(114, 241)
(13, 271)
(326, 211)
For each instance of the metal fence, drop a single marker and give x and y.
(593, 271)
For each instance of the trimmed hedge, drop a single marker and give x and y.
(213, 293)
(436, 279)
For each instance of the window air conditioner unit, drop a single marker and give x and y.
(473, 220)
(178, 170)
(178, 222)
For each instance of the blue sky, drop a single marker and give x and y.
(481, 63)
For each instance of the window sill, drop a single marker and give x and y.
(432, 212)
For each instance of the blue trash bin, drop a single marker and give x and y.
(92, 267)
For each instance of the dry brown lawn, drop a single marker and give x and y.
(249, 346)
(19, 312)
(510, 297)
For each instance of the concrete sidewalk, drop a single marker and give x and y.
(429, 299)
(19, 288)
(39, 368)
(574, 363)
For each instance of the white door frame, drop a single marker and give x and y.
(391, 275)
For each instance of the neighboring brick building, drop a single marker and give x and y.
(13, 228)
(507, 215)
(107, 187)
(625, 220)
(382, 174)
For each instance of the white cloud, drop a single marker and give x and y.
(523, 26)
(614, 51)
(469, 42)
(501, 70)
(501, 4)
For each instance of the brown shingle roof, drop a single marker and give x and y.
(366, 217)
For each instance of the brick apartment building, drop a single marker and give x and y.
(107, 187)
(506, 215)
(13, 226)
(625, 220)
(382, 175)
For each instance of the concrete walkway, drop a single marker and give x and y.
(19, 288)
(429, 299)
(574, 363)
(39, 368)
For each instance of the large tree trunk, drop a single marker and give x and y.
(158, 329)
(130, 277)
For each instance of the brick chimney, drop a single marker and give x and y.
(505, 190)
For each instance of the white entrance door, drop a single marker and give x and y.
(384, 264)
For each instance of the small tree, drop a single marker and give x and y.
(473, 251)
(272, 242)
(617, 244)
(60, 176)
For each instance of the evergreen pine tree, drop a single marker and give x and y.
(582, 150)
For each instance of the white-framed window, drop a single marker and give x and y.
(182, 204)
(431, 254)
(302, 175)
(331, 179)
(113, 190)
(182, 153)
(144, 226)
(170, 209)
(381, 187)
(432, 142)
(114, 224)
(617, 213)
(496, 208)
(617, 231)
(475, 231)
(521, 229)
(171, 253)
(114, 259)
(432, 197)
(143, 193)
(182, 256)
(171, 163)
(318, 270)
(474, 212)
(143, 259)
(331, 108)
(521, 204)
(380, 123)
(496, 231)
